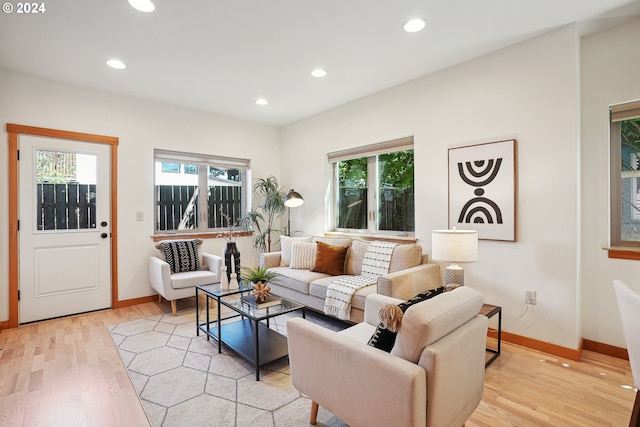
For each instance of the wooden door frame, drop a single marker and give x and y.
(14, 131)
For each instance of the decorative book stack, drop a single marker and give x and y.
(269, 301)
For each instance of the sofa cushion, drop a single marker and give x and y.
(189, 279)
(182, 255)
(297, 280)
(286, 244)
(355, 256)
(303, 255)
(430, 320)
(330, 259)
(405, 256)
(318, 288)
(335, 241)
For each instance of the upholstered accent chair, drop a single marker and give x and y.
(433, 376)
(179, 266)
(629, 303)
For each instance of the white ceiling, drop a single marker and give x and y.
(219, 56)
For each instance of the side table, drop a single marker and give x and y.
(490, 311)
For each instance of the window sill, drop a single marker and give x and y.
(624, 253)
(198, 235)
(370, 237)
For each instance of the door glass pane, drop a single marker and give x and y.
(630, 180)
(176, 197)
(224, 197)
(65, 190)
(395, 186)
(352, 194)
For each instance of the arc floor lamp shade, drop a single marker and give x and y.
(292, 199)
(454, 246)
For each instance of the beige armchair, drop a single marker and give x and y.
(434, 375)
(173, 286)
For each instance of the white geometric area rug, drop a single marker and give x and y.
(182, 380)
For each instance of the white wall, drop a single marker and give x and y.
(610, 75)
(529, 92)
(141, 127)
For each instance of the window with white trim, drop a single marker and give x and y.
(625, 174)
(199, 193)
(374, 188)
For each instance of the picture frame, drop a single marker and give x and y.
(482, 189)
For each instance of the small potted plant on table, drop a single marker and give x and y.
(260, 277)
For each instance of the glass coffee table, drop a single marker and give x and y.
(245, 329)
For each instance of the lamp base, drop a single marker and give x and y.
(454, 275)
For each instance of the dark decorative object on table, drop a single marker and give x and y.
(232, 259)
(231, 252)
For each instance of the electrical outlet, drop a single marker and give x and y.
(530, 297)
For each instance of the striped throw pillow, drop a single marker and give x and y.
(303, 255)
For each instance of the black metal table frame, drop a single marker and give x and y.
(258, 328)
(492, 311)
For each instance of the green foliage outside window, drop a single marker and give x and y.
(394, 189)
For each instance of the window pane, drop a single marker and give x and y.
(171, 167)
(176, 198)
(395, 187)
(192, 188)
(65, 190)
(352, 194)
(224, 197)
(630, 180)
(191, 169)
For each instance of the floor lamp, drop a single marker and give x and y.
(293, 199)
(454, 246)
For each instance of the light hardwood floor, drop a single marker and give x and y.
(67, 372)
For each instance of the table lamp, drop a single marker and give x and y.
(454, 246)
(293, 199)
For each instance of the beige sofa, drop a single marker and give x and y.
(409, 274)
(434, 375)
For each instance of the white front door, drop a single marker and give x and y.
(65, 227)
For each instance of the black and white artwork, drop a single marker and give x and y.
(482, 189)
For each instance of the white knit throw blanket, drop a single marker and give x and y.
(340, 292)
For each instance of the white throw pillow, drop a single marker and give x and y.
(286, 244)
(303, 255)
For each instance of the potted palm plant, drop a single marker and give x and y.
(262, 218)
(259, 275)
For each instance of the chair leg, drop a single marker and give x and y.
(635, 412)
(159, 298)
(314, 413)
(173, 307)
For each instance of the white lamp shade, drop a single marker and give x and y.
(454, 245)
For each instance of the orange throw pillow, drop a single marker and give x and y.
(330, 259)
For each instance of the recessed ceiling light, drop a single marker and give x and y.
(262, 101)
(142, 5)
(319, 72)
(414, 25)
(116, 63)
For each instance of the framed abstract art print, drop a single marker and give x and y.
(482, 189)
